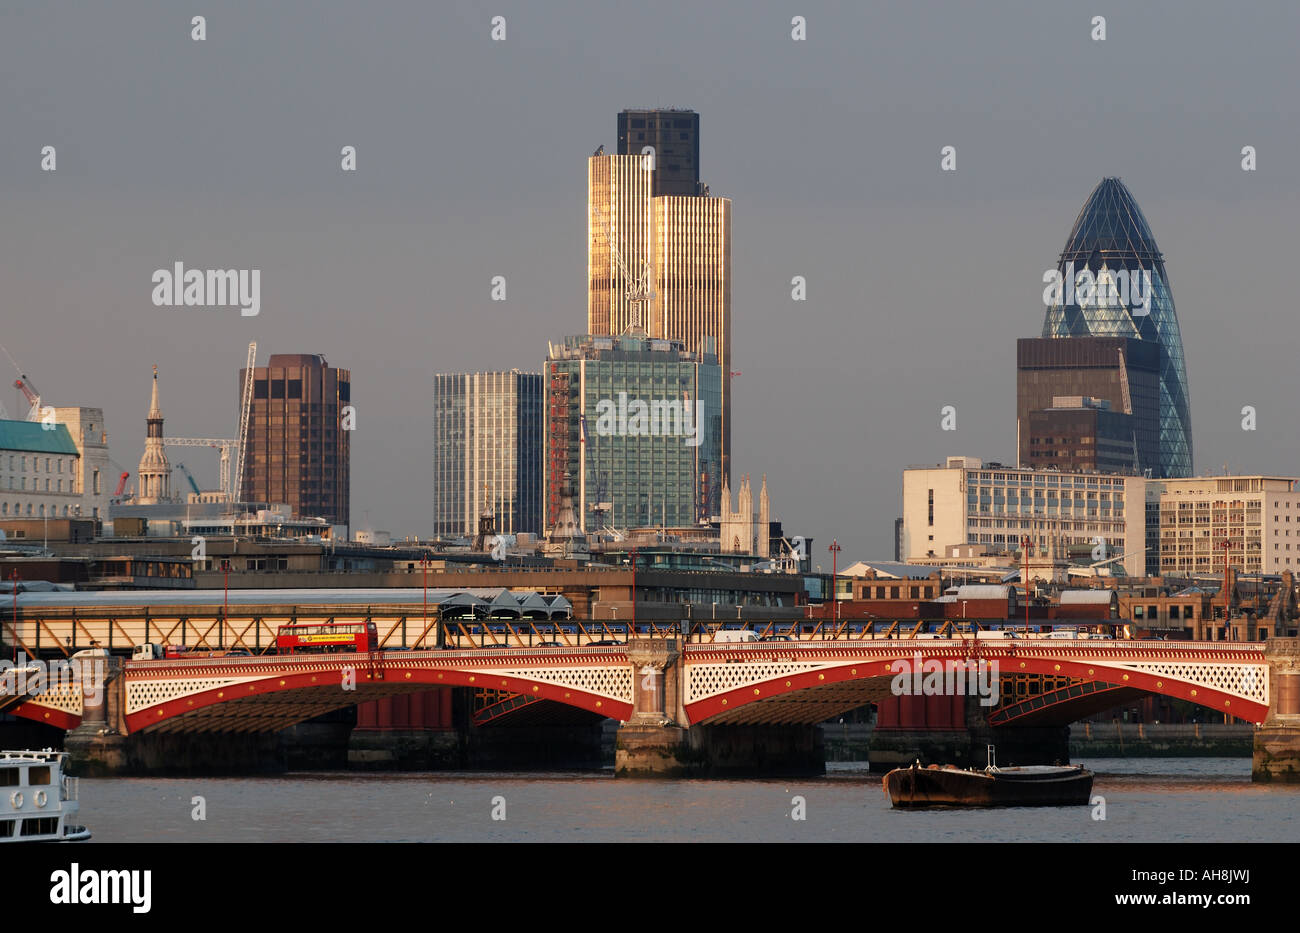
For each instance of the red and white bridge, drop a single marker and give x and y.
(692, 684)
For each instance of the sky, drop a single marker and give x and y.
(471, 163)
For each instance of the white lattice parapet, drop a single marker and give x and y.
(707, 680)
(1247, 681)
(613, 682)
(66, 698)
(142, 694)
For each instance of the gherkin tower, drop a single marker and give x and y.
(1110, 237)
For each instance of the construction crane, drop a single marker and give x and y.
(189, 476)
(1123, 382)
(120, 494)
(245, 410)
(230, 480)
(24, 385)
(640, 288)
(225, 445)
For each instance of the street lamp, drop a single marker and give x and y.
(424, 563)
(835, 602)
(225, 612)
(13, 578)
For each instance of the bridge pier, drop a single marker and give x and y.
(1277, 740)
(653, 744)
(98, 745)
(413, 731)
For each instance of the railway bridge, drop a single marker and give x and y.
(682, 705)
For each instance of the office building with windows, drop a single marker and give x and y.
(488, 433)
(1119, 376)
(967, 502)
(1081, 434)
(1190, 521)
(40, 472)
(298, 447)
(660, 264)
(634, 431)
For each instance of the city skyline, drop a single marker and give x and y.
(390, 270)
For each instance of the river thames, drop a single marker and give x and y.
(1146, 800)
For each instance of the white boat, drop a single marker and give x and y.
(38, 802)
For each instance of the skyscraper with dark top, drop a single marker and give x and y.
(675, 137)
(298, 436)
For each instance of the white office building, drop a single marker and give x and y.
(967, 502)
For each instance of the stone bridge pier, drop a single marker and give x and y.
(1277, 740)
(98, 745)
(658, 741)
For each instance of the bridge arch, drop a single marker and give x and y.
(722, 683)
(273, 692)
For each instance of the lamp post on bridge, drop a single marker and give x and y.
(835, 563)
(424, 563)
(13, 620)
(1227, 597)
(225, 611)
(632, 625)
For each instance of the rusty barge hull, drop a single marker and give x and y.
(916, 787)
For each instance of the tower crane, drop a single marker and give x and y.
(230, 479)
(24, 385)
(640, 288)
(188, 476)
(245, 410)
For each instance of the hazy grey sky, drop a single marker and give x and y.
(472, 163)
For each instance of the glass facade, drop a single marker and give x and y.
(678, 239)
(1111, 245)
(638, 431)
(487, 449)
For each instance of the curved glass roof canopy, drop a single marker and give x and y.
(1114, 284)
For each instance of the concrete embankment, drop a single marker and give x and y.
(1161, 740)
(851, 741)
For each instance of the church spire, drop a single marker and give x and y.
(155, 473)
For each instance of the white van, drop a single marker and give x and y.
(724, 636)
(147, 652)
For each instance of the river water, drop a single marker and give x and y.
(1146, 800)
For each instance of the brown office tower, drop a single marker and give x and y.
(298, 436)
(1088, 403)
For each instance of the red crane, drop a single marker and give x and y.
(24, 385)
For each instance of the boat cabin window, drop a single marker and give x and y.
(41, 827)
(6, 828)
(38, 775)
(9, 776)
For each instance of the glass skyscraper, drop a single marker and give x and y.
(1114, 284)
(487, 449)
(634, 431)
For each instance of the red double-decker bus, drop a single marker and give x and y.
(326, 636)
